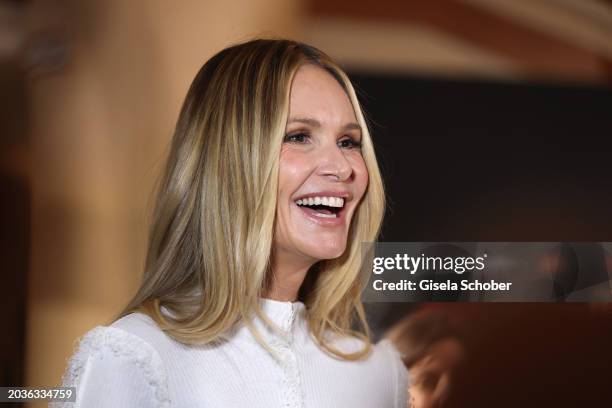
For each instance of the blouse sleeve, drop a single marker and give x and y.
(400, 373)
(114, 368)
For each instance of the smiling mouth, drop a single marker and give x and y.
(322, 207)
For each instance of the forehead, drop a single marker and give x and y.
(316, 93)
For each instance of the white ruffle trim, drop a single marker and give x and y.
(120, 343)
(281, 345)
(292, 383)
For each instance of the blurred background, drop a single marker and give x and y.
(492, 120)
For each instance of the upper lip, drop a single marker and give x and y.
(342, 194)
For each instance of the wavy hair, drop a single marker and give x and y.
(211, 240)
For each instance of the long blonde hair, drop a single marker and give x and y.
(209, 250)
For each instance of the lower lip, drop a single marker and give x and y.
(326, 222)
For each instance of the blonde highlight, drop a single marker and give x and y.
(209, 250)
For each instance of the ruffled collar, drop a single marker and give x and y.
(288, 316)
(283, 314)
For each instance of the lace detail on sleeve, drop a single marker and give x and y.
(121, 344)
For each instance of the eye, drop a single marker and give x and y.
(349, 143)
(296, 138)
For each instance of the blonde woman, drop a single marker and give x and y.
(252, 283)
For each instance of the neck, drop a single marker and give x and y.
(287, 277)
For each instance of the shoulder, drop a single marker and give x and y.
(387, 351)
(111, 342)
(114, 364)
(384, 351)
(384, 357)
(382, 372)
(390, 357)
(143, 327)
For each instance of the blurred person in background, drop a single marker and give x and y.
(251, 282)
(507, 354)
(432, 349)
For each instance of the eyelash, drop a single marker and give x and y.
(354, 144)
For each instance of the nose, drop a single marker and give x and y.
(334, 165)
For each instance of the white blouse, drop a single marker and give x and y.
(132, 363)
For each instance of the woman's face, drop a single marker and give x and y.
(322, 172)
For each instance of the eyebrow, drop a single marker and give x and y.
(316, 124)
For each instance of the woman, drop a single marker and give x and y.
(252, 279)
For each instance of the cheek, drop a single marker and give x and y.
(293, 171)
(361, 175)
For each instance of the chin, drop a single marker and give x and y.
(328, 252)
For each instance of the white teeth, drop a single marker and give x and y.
(328, 201)
(325, 215)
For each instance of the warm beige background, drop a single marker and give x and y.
(100, 127)
(100, 122)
